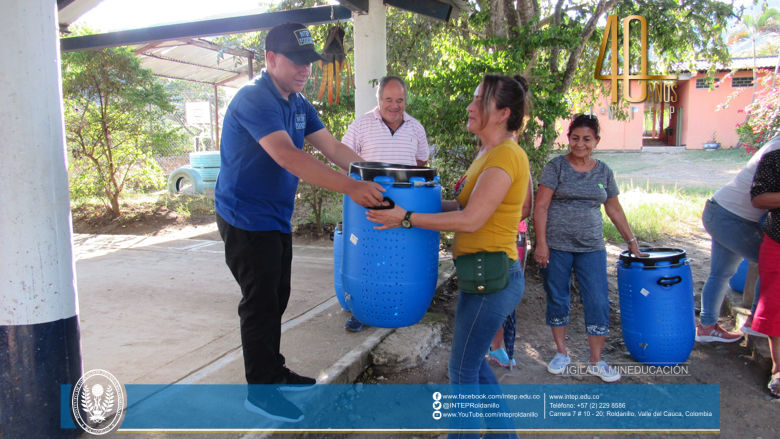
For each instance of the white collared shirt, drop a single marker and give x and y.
(371, 139)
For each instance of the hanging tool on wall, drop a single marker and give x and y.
(335, 62)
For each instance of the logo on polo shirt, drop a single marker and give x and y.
(304, 37)
(300, 121)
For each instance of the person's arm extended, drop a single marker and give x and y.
(543, 199)
(529, 201)
(422, 163)
(767, 201)
(335, 151)
(614, 211)
(491, 188)
(304, 166)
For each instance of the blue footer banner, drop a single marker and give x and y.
(404, 408)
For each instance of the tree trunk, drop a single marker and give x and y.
(498, 21)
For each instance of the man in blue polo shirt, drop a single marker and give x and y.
(261, 160)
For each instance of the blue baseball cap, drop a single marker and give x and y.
(294, 41)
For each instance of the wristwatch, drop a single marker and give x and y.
(406, 223)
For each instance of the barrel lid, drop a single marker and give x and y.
(656, 255)
(400, 173)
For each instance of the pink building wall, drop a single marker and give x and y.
(700, 116)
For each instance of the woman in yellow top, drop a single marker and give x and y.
(484, 217)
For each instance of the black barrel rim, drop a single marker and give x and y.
(400, 173)
(674, 259)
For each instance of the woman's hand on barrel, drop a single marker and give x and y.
(388, 218)
(633, 248)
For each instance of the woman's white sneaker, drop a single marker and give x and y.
(558, 364)
(603, 371)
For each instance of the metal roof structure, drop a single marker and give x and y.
(198, 60)
(179, 51)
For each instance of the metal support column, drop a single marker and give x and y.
(216, 116)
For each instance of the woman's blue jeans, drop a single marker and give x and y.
(733, 238)
(591, 271)
(477, 319)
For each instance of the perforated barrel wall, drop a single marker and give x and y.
(338, 251)
(389, 276)
(658, 322)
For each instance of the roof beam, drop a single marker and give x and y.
(222, 26)
(358, 6)
(244, 53)
(430, 8)
(179, 61)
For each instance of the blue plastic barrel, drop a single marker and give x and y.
(737, 282)
(389, 276)
(338, 252)
(656, 306)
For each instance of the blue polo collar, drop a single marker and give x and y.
(265, 79)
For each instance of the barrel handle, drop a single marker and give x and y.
(669, 281)
(382, 207)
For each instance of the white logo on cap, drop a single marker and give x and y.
(304, 37)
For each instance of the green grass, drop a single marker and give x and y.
(729, 156)
(624, 163)
(654, 212)
(633, 161)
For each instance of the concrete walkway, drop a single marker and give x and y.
(155, 310)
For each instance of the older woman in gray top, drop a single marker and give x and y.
(567, 219)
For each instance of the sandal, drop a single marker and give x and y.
(774, 385)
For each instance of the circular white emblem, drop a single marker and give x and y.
(98, 402)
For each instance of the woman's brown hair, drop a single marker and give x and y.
(508, 92)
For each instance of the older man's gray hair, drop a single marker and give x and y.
(385, 81)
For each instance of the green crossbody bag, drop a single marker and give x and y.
(483, 272)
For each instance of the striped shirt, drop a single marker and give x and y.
(371, 139)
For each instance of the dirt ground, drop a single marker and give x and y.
(747, 410)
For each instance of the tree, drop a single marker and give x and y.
(113, 113)
(753, 28)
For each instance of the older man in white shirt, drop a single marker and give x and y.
(388, 133)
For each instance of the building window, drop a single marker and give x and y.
(705, 83)
(742, 81)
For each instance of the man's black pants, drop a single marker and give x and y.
(261, 263)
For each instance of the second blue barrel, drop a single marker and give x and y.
(656, 306)
(737, 282)
(389, 276)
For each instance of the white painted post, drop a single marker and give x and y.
(370, 54)
(39, 339)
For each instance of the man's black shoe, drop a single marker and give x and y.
(293, 382)
(270, 403)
